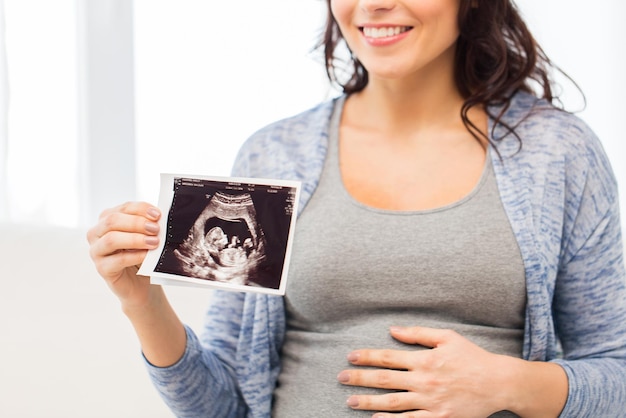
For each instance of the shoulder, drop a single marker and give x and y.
(550, 139)
(302, 122)
(540, 124)
(555, 174)
(276, 147)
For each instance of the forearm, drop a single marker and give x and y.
(534, 389)
(161, 334)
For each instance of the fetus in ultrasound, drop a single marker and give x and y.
(225, 243)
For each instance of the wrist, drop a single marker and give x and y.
(161, 334)
(150, 302)
(535, 389)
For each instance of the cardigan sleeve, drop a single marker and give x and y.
(589, 304)
(590, 313)
(231, 371)
(200, 384)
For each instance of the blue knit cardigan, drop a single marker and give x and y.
(560, 195)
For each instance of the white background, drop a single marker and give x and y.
(207, 75)
(210, 74)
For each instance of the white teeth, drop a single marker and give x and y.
(383, 32)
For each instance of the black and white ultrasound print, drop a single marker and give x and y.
(230, 233)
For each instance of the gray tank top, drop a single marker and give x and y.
(355, 271)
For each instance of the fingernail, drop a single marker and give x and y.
(344, 377)
(152, 227)
(154, 213)
(396, 329)
(353, 402)
(152, 241)
(353, 357)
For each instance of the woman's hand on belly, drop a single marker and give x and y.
(455, 378)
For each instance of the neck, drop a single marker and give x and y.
(414, 106)
(425, 101)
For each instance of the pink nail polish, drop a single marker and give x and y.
(152, 227)
(152, 241)
(153, 213)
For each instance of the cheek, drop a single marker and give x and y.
(439, 6)
(444, 12)
(341, 11)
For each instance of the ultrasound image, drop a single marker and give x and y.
(218, 234)
(225, 243)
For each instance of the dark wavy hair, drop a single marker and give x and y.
(496, 56)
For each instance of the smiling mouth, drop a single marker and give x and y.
(384, 32)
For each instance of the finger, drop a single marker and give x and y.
(144, 223)
(111, 267)
(135, 208)
(407, 414)
(116, 241)
(386, 359)
(427, 337)
(377, 378)
(389, 402)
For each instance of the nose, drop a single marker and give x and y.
(373, 6)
